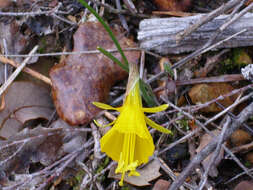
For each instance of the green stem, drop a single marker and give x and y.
(113, 58)
(107, 28)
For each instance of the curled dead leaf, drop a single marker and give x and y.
(24, 101)
(84, 78)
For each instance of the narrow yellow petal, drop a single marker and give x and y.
(156, 109)
(157, 127)
(121, 180)
(104, 106)
(107, 125)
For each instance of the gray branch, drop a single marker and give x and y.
(243, 116)
(159, 34)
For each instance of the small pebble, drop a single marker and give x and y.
(161, 184)
(244, 185)
(249, 157)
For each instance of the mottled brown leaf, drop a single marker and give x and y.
(202, 93)
(240, 137)
(81, 79)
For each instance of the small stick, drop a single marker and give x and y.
(206, 19)
(215, 153)
(243, 116)
(31, 72)
(17, 71)
(130, 5)
(121, 17)
(203, 50)
(237, 102)
(75, 53)
(171, 173)
(243, 148)
(216, 79)
(31, 14)
(142, 64)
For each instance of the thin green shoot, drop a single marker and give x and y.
(107, 28)
(113, 58)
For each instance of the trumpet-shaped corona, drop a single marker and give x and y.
(129, 142)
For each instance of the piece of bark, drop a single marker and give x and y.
(159, 34)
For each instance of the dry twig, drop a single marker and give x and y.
(243, 116)
(17, 71)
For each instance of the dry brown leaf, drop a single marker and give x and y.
(202, 93)
(82, 79)
(205, 140)
(147, 173)
(240, 137)
(24, 101)
(173, 5)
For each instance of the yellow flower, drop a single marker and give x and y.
(129, 142)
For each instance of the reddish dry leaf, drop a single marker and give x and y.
(83, 79)
(24, 101)
(202, 93)
(173, 5)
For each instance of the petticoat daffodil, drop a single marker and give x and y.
(129, 142)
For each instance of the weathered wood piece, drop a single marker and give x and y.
(159, 34)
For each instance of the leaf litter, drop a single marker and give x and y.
(37, 152)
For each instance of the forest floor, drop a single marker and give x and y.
(51, 72)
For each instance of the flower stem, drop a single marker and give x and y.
(133, 77)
